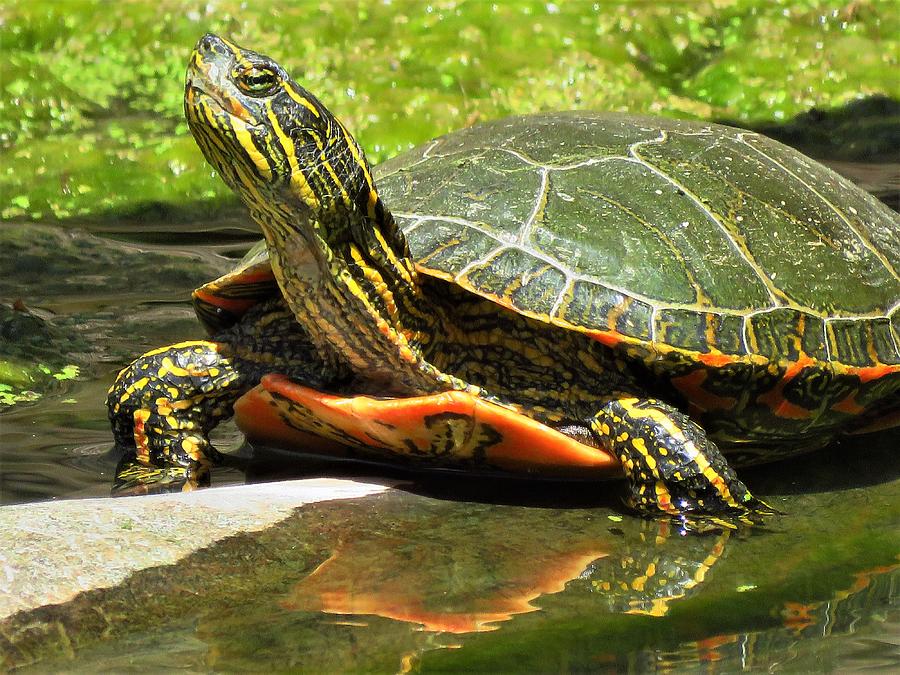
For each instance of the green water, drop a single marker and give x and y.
(109, 217)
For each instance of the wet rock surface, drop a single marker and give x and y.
(51, 551)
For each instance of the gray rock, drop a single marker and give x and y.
(51, 551)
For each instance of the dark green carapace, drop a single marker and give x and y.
(566, 290)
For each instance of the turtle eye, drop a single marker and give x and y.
(257, 80)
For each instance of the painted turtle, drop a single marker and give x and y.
(555, 293)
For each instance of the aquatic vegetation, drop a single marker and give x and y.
(90, 105)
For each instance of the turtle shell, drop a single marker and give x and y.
(220, 303)
(673, 235)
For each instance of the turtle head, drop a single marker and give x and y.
(332, 243)
(271, 140)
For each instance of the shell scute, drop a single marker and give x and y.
(660, 234)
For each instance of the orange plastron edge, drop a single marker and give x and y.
(448, 429)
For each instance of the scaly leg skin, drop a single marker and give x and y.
(672, 467)
(164, 405)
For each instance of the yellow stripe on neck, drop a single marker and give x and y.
(302, 100)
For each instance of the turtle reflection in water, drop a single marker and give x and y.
(561, 294)
(469, 583)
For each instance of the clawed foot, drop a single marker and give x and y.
(754, 514)
(673, 469)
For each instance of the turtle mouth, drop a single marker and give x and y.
(196, 95)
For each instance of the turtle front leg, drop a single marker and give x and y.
(671, 465)
(165, 403)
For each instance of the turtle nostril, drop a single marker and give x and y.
(209, 43)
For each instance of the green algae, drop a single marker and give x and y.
(35, 355)
(90, 98)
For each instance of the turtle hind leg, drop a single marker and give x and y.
(671, 466)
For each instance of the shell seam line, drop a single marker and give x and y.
(863, 240)
(539, 203)
(663, 137)
(543, 257)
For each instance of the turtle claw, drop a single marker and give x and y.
(754, 513)
(761, 508)
(702, 524)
